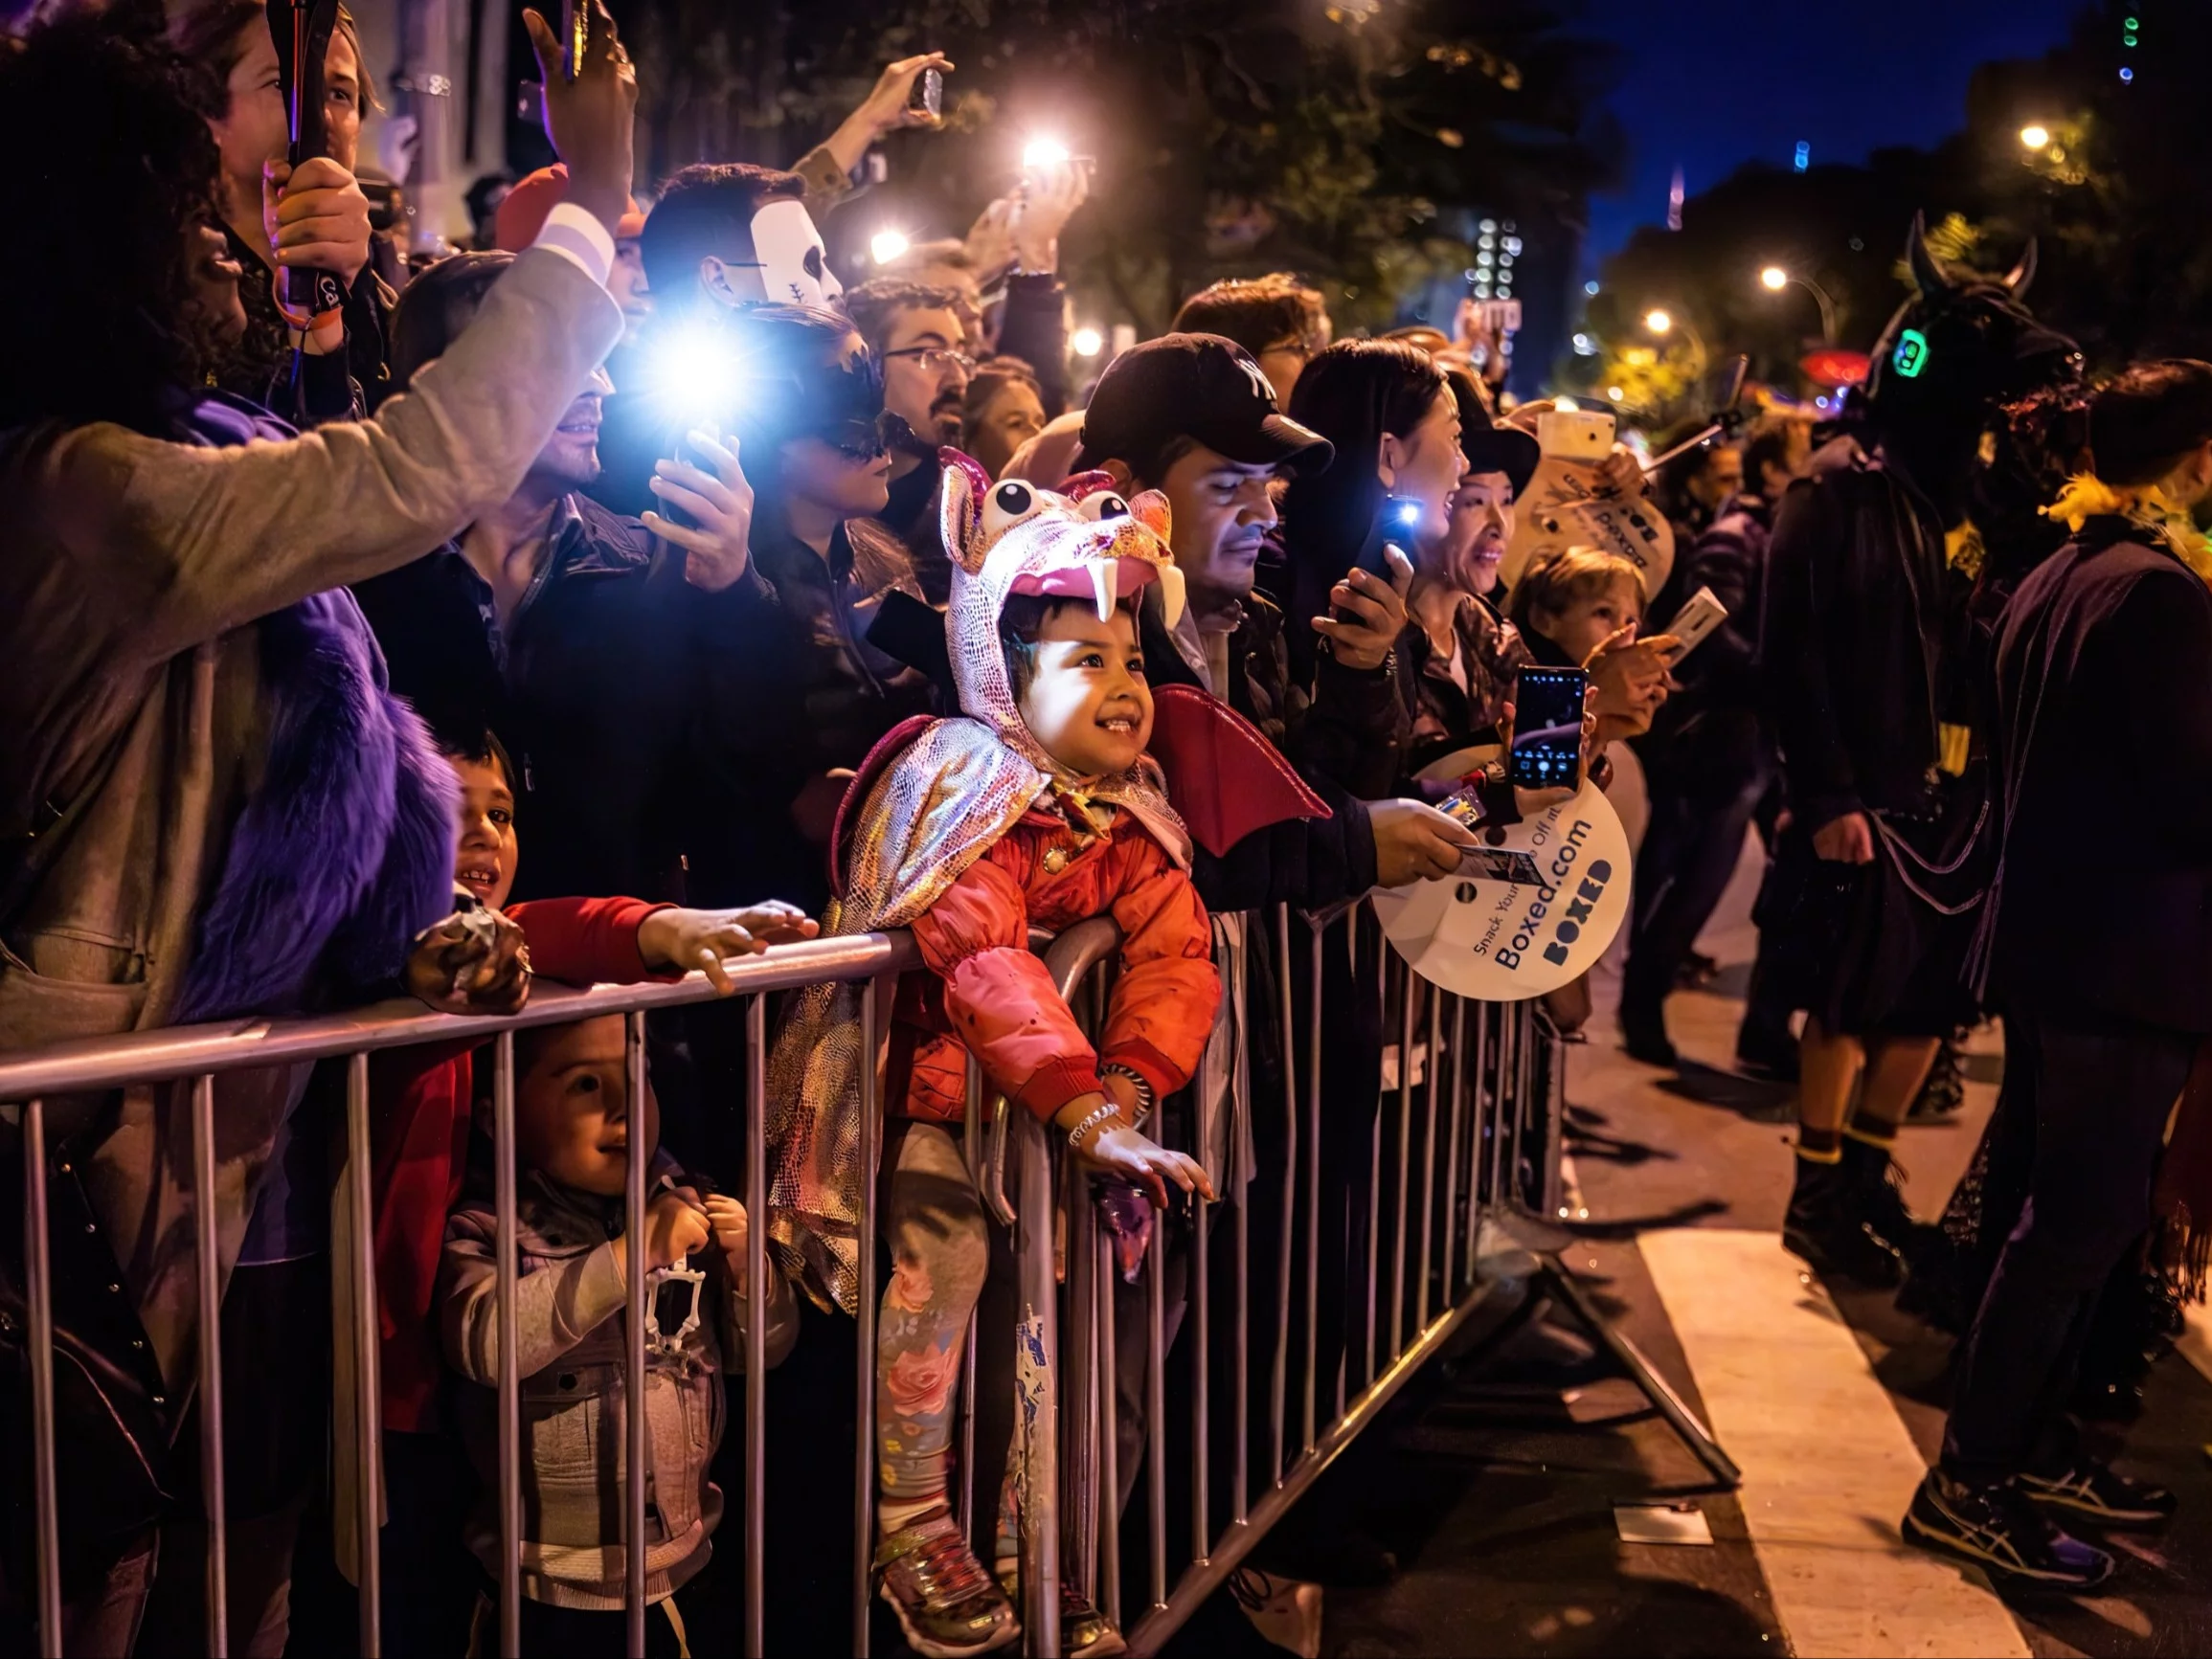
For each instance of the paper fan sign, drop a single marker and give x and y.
(1562, 509)
(1504, 940)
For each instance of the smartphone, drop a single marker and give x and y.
(1724, 390)
(1397, 521)
(1501, 865)
(385, 206)
(1547, 729)
(929, 92)
(576, 36)
(1578, 435)
(681, 450)
(1695, 620)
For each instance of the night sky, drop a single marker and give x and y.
(1712, 85)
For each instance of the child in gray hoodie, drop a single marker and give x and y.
(573, 1143)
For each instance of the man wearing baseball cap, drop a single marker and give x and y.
(1193, 415)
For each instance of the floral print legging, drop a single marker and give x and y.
(941, 1249)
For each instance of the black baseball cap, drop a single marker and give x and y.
(1496, 447)
(1197, 385)
(1490, 444)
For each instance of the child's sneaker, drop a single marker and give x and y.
(945, 1601)
(1085, 1631)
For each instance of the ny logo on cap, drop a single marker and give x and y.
(1262, 388)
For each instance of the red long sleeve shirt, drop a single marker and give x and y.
(420, 1102)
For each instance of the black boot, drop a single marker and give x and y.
(1873, 1176)
(1944, 1092)
(1644, 1031)
(1826, 1227)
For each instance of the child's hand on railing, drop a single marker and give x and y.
(1107, 1145)
(685, 940)
(474, 961)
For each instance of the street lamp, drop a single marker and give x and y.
(1658, 321)
(1774, 279)
(1088, 341)
(2035, 135)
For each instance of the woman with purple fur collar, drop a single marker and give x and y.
(210, 806)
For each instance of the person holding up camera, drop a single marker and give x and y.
(211, 808)
(277, 219)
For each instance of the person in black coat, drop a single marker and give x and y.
(566, 629)
(2098, 947)
(1876, 676)
(1710, 754)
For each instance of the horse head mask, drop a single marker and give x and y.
(1962, 344)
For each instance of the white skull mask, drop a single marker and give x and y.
(794, 265)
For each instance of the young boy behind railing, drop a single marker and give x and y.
(574, 1134)
(1039, 808)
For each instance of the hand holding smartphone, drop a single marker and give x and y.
(1576, 434)
(1397, 522)
(1695, 621)
(1546, 750)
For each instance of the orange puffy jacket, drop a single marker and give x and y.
(986, 992)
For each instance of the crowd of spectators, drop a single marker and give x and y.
(631, 536)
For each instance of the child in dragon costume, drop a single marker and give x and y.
(1037, 806)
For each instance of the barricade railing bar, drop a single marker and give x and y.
(1352, 1318)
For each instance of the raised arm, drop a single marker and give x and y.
(167, 545)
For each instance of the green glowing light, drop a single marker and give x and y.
(1911, 354)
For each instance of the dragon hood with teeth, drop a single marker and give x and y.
(932, 799)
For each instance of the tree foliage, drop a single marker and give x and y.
(1230, 137)
(2117, 201)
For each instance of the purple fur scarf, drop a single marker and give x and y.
(345, 852)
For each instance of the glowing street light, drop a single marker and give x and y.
(1657, 322)
(2035, 136)
(885, 246)
(1086, 342)
(1774, 279)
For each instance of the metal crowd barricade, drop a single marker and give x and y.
(1479, 1150)
(199, 1053)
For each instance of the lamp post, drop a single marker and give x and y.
(1661, 323)
(1774, 279)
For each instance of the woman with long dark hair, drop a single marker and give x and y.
(210, 806)
(1395, 425)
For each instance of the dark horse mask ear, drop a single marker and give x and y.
(1927, 273)
(2022, 274)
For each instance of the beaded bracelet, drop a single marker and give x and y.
(1097, 1114)
(1145, 1100)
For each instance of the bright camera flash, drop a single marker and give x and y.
(885, 246)
(1086, 342)
(1045, 153)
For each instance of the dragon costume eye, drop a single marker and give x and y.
(1010, 504)
(1105, 504)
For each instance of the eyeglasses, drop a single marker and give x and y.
(937, 357)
